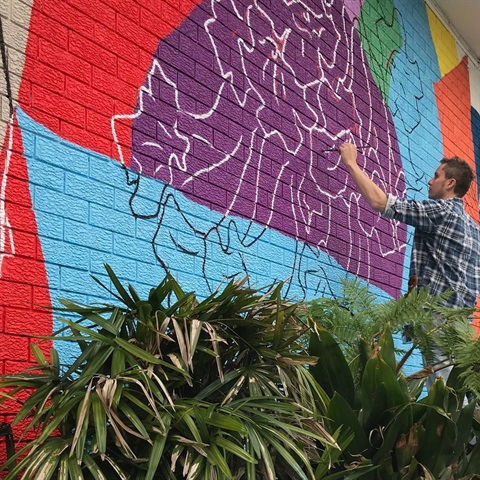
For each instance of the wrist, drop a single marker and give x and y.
(351, 167)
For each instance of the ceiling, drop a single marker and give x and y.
(463, 19)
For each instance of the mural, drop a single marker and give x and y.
(198, 140)
(278, 95)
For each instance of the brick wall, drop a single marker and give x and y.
(166, 135)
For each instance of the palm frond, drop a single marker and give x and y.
(212, 388)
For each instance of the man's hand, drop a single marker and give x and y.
(369, 190)
(348, 153)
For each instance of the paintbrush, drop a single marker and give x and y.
(335, 149)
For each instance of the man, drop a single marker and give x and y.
(446, 244)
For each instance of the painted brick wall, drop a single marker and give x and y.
(174, 136)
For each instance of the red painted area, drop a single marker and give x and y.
(85, 62)
(453, 103)
(23, 276)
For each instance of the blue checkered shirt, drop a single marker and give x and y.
(446, 246)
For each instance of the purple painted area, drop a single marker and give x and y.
(238, 123)
(353, 8)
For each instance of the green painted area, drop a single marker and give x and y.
(379, 30)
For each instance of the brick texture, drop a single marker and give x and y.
(188, 136)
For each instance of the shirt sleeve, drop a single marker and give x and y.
(426, 215)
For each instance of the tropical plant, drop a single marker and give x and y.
(395, 434)
(174, 387)
(356, 318)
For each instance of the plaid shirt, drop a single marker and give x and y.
(446, 246)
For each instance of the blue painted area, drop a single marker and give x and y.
(412, 98)
(87, 219)
(413, 105)
(476, 142)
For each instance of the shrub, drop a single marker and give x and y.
(174, 387)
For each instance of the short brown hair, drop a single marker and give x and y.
(461, 171)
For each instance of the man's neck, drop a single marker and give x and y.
(448, 196)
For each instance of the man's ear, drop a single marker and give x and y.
(451, 183)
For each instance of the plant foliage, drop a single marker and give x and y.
(357, 317)
(395, 434)
(174, 387)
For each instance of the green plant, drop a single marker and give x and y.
(394, 434)
(173, 387)
(356, 318)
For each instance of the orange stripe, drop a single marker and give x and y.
(453, 103)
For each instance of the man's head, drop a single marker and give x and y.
(451, 179)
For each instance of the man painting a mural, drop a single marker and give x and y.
(447, 240)
(189, 139)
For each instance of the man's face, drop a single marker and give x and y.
(440, 187)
